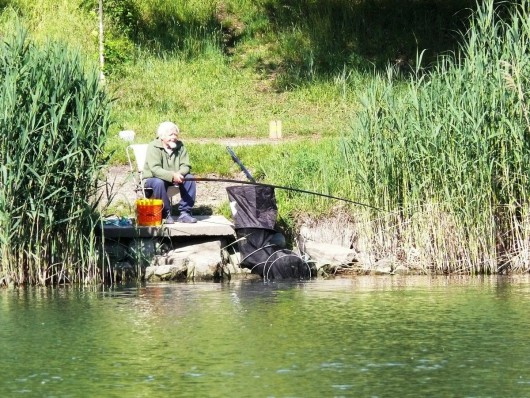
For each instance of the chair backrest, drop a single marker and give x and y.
(137, 164)
(139, 151)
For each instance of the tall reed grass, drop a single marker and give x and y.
(448, 152)
(53, 124)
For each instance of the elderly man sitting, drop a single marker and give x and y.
(167, 163)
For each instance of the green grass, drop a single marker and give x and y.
(303, 165)
(57, 21)
(208, 98)
(226, 69)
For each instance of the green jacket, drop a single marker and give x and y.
(160, 164)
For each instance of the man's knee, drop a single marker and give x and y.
(155, 183)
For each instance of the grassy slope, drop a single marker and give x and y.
(226, 68)
(209, 99)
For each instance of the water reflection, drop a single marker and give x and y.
(363, 336)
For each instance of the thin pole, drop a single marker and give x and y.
(101, 48)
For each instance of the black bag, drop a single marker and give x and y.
(254, 213)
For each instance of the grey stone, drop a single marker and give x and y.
(332, 231)
(401, 270)
(143, 250)
(329, 254)
(150, 272)
(196, 261)
(231, 261)
(170, 272)
(366, 262)
(383, 270)
(384, 266)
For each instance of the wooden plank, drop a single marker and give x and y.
(205, 226)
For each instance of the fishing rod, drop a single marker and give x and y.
(240, 164)
(252, 181)
(259, 184)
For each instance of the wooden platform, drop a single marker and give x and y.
(205, 226)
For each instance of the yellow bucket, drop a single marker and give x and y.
(149, 212)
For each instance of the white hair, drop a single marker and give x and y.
(166, 128)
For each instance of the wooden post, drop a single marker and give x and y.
(272, 130)
(278, 129)
(275, 129)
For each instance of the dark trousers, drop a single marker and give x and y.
(187, 189)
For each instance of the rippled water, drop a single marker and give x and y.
(362, 337)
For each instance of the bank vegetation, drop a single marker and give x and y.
(427, 132)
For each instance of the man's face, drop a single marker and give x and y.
(170, 140)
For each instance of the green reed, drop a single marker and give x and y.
(53, 125)
(449, 150)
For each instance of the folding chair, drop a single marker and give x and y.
(137, 168)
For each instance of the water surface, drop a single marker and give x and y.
(363, 336)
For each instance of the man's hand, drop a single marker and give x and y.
(177, 178)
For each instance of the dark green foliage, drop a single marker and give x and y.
(363, 34)
(162, 32)
(53, 126)
(121, 15)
